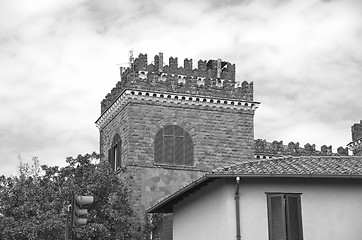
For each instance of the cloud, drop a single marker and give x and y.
(59, 59)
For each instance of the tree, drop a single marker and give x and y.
(33, 205)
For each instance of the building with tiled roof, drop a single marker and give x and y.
(288, 167)
(320, 198)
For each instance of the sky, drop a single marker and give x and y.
(59, 58)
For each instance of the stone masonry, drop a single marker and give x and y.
(207, 102)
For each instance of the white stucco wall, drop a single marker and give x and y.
(331, 209)
(207, 214)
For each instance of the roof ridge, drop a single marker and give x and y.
(289, 164)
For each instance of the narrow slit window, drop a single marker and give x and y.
(115, 153)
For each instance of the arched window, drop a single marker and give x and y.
(173, 145)
(115, 152)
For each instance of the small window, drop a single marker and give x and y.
(173, 146)
(115, 153)
(284, 216)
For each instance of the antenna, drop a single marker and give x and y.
(129, 63)
(131, 59)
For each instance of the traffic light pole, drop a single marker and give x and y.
(67, 223)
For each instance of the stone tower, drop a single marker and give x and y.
(168, 125)
(356, 145)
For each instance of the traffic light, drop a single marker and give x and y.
(79, 214)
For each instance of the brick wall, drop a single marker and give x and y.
(220, 136)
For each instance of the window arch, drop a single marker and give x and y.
(173, 145)
(115, 153)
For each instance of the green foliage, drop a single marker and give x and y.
(34, 205)
(152, 222)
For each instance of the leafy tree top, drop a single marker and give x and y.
(34, 204)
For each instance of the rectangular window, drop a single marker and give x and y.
(284, 216)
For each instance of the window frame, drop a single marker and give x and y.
(115, 153)
(284, 226)
(173, 146)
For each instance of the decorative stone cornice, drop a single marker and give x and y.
(175, 98)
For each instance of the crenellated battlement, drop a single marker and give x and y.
(356, 131)
(277, 148)
(211, 78)
(356, 145)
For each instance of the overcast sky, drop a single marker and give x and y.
(59, 58)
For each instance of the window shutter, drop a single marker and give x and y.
(169, 149)
(276, 217)
(111, 157)
(294, 217)
(173, 145)
(189, 150)
(159, 147)
(115, 152)
(168, 130)
(179, 151)
(119, 154)
(179, 132)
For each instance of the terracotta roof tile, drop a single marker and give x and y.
(303, 165)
